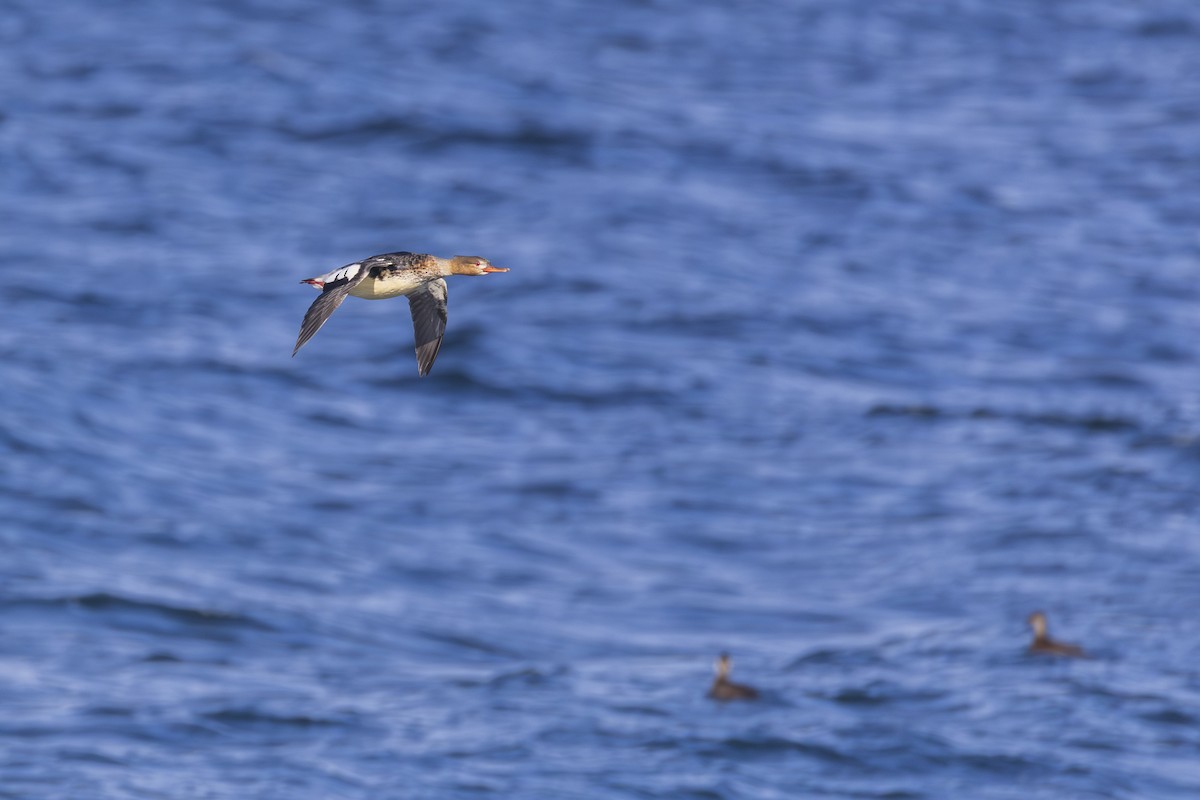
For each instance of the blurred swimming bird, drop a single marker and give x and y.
(1042, 643)
(417, 276)
(725, 689)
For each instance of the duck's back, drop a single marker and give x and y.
(723, 689)
(1055, 648)
(395, 274)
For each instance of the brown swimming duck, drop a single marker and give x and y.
(1042, 643)
(725, 689)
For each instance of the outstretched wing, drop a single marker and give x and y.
(428, 307)
(332, 295)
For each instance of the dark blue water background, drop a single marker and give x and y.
(840, 335)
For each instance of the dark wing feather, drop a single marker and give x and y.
(331, 297)
(428, 306)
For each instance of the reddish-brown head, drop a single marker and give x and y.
(472, 265)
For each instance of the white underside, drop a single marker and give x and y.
(374, 289)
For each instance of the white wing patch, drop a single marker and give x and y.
(348, 271)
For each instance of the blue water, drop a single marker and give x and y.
(839, 335)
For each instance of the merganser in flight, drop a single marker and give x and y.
(1042, 643)
(724, 689)
(418, 276)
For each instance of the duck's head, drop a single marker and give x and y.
(472, 265)
(723, 665)
(1037, 621)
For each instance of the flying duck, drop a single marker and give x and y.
(418, 276)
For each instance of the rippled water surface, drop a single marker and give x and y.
(839, 335)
